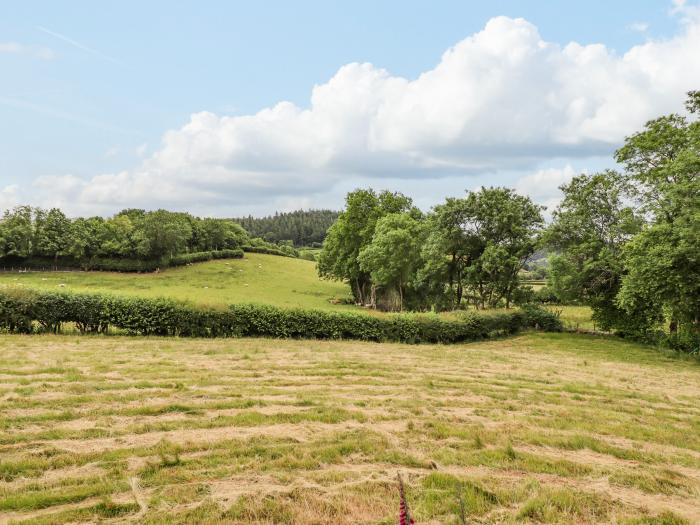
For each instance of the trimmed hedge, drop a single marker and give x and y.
(119, 265)
(26, 311)
(267, 251)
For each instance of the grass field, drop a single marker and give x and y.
(257, 278)
(555, 428)
(267, 279)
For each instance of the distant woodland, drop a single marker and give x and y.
(303, 228)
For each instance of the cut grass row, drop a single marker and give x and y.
(554, 428)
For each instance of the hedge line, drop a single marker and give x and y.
(27, 311)
(265, 250)
(118, 265)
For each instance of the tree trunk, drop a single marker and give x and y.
(358, 292)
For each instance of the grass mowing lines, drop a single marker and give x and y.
(260, 431)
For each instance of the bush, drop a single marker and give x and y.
(537, 317)
(25, 311)
(546, 295)
(107, 264)
(267, 250)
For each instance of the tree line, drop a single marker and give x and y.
(302, 227)
(625, 242)
(27, 232)
(465, 251)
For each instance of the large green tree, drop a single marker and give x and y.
(663, 262)
(52, 231)
(354, 229)
(162, 233)
(17, 232)
(589, 231)
(449, 249)
(478, 244)
(394, 252)
(506, 228)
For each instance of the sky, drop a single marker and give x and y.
(225, 108)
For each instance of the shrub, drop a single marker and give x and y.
(267, 250)
(24, 310)
(537, 317)
(546, 295)
(107, 264)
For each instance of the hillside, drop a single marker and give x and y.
(303, 228)
(257, 278)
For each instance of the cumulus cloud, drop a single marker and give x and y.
(543, 185)
(640, 27)
(9, 197)
(500, 100)
(42, 53)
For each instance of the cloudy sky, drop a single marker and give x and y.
(230, 108)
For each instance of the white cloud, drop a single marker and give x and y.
(42, 53)
(500, 100)
(543, 185)
(639, 27)
(9, 197)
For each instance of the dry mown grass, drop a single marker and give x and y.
(540, 428)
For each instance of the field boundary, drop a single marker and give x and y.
(30, 311)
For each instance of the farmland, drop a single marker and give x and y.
(267, 279)
(257, 278)
(557, 428)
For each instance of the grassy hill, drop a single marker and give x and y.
(541, 428)
(257, 278)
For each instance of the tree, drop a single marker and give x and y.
(479, 244)
(118, 237)
(17, 232)
(394, 252)
(52, 232)
(353, 231)
(506, 227)
(218, 234)
(589, 230)
(162, 233)
(303, 228)
(85, 237)
(663, 262)
(450, 247)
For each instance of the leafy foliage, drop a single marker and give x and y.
(302, 228)
(108, 264)
(590, 228)
(630, 242)
(24, 310)
(131, 241)
(354, 231)
(471, 248)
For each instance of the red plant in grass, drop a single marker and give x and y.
(404, 512)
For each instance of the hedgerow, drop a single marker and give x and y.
(118, 265)
(27, 311)
(266, 250)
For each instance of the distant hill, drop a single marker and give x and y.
(303, 227)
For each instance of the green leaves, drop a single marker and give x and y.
(25, 311)
(637, 268)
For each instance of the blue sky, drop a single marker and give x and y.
(90, 90)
